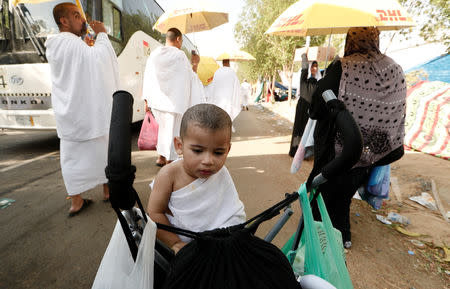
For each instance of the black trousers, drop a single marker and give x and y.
(337, 194)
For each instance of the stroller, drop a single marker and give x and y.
(201, 263)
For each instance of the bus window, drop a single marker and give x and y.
(4, 18)
(40, 18)
(112, 18)
(117, 23)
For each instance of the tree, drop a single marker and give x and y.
(432, 18)
(272, 53)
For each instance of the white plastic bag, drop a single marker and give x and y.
(117, 269)
(307, 140)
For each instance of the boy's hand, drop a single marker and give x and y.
(177, 246)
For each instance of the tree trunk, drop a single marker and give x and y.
(289, 74)
(272, 96)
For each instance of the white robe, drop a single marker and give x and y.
(206, 204)
(208, 92)
(83, 164)
(169, 127)
(83, 81)
(170, 88)
(245, 93)
(226, 91)
(170, 85)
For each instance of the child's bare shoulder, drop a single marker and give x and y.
(169, 172)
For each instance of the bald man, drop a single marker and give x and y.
(170, 87)
(83, 80)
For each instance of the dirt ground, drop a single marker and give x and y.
(381, 256)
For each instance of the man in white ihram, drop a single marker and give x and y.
(83, 80)
(226, 90)
(170, 87)
(246, 91)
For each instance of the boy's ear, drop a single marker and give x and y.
(178, 143)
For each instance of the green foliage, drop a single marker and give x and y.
(432, 18)
(139, 21)
(272, 53)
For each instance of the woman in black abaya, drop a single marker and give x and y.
(309, 76)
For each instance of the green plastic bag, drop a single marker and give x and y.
(320, 251)
(298, 265)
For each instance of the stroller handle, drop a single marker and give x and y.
(351, 139)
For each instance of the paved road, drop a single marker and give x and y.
(41, 248)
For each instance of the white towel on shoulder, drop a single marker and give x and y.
(207, 204)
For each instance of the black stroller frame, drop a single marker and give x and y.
(124, 197)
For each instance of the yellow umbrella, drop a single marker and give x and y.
(15, 2)
(319, 17)
(192, 16)
(236, 56)
(206, 69)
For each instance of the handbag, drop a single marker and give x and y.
(148, 136)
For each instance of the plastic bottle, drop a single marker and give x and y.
(397, 218)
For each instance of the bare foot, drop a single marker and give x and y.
(77, 203)
(105, 192)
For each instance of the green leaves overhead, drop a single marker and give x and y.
(273, 53)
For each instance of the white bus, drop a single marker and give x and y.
(25, 85)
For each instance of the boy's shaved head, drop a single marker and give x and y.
(205, 115)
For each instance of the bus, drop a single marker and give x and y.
(25, 84)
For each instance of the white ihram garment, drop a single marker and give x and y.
(206, 204)
(83, 81)
(208, 92)
(83, 164)
(170, 88)
(226, 91)
(169, 128)
(245, 93)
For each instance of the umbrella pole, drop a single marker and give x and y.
(326, 57)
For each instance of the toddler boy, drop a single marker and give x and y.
(196, 192)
